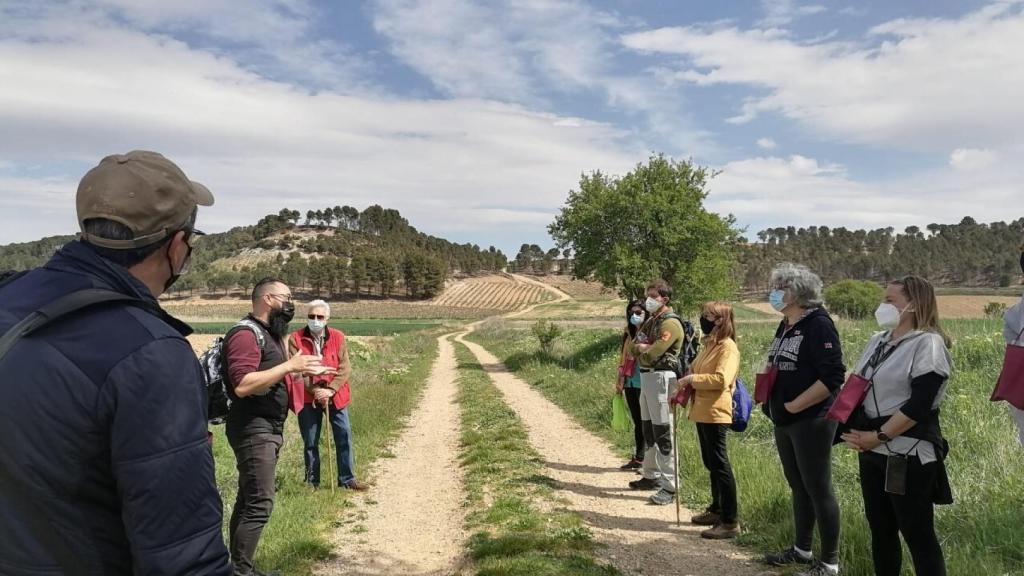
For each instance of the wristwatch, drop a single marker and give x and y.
(883, 437)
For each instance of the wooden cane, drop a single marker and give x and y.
(331, 466)
(675, 458)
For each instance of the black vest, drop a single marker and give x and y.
(259, 413)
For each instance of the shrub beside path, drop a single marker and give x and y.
(412, 520)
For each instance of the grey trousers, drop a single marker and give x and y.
(657, 422)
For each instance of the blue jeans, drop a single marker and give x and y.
(310, 423)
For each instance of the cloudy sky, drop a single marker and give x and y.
(475, 119)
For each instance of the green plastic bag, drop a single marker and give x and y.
(620, 415)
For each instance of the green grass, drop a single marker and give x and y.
(386, 385)
(515, 531)
(980, 532)
(991, 291)
(351, 327)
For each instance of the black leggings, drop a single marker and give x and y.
(716, 460)
(805, 449)
(633, 401)
(912, 515)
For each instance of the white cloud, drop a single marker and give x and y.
(972, 159)
(271, 37)
(261, 145)
(531, 53)
(782, 12)
(801, 191)
(910, 83)
(766, 143)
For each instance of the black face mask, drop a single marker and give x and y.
(706, 326)
(183, 270)
(1022, 262)
(279, 319)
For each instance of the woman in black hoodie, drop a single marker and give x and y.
(807, 353)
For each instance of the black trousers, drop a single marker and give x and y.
(633, 401)
(256, 457)
(912, 515)
(805, 449)
(716, 460)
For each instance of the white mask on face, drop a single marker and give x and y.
(316, 326)
(888, 316)
(652, 305)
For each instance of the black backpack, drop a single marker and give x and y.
(687, 351)
(214, 366)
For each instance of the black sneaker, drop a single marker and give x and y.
(818, 569)
(643, 484)
(787, 557)
(633, 464)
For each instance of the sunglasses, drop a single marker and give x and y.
(320, 317)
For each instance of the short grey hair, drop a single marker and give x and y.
(801, 282)
(319, 304)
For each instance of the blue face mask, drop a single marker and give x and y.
(636, 319)
(775, 298)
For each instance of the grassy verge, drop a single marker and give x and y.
(386, 383)
(979, 532)
(351, 327)
(515, 530)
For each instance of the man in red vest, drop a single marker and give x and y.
(309, 396)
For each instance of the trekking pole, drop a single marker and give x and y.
(675, 459)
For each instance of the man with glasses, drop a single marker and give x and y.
(104, 464)
(257, 367)
(312, 395)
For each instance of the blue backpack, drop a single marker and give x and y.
(742, 405)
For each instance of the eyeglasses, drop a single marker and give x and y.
(317, 317)
(282, 297)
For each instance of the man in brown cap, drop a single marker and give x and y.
(105, 464)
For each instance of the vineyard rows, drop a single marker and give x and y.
(492, 292)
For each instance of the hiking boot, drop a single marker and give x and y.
(356, 485)
(787, 557)
(633, 464)
(643, 484)
(818, 569)
(722, 531)
(706, 518)
(662, 497)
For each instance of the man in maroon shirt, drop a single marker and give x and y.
(257, 365)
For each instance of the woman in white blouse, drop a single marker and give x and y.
(897, 432)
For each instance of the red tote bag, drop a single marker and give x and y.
(850, 397)
(1010, 386)
(763, 384)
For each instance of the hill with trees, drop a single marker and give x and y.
(964, 254)
(333, 252)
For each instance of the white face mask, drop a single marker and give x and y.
(888, 316)
(652, 305)
(316, 326)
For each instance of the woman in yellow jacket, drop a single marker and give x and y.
(713, 378)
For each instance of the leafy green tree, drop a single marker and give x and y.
(650, 223)
(854, 299)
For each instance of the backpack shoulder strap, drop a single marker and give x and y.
(63, 306)
(246, 324)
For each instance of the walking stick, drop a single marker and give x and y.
(675, 459)
(332, 467)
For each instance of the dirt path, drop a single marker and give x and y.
(639, 538)
(411, 522)
(559, 295)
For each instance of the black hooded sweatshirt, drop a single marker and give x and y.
(805, 353)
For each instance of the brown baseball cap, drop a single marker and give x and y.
(143, 191)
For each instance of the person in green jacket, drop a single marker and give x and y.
(657, 349)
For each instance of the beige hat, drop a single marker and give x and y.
(143, 191)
